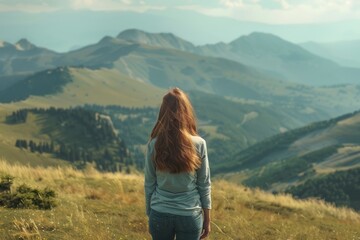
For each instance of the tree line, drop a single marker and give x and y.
(341, 188)
(79, 136)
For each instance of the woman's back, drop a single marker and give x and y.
(178, 193)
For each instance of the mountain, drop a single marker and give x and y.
(278, 57)
(242, 122)
(152, 67)
(302, 156)
(23, 49)
(164, 40)
(269, 52)
(115, 71)
(21, 59)
(166, 67)
(86, 26)
(345, 53)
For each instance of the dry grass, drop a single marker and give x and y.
(94, 205)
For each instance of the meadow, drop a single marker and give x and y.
(94, 205)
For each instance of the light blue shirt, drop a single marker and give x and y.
(183, 193)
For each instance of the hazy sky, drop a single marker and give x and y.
(62, 25)
(266, 11)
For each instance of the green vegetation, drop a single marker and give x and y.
(304, 159)
(341, 188)
(224, 124)
(252, 156)
(76, 135)
(18, 116)
(25, 196)
(39, 84)
(289, 170)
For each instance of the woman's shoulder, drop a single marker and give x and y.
(198, 140)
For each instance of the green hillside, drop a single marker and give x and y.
(78, 136)
(228, 126)
(114, 203)
(65, 87)
(298, 156)
(340, 187)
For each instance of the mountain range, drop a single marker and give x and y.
(266, 52)
(80, 28)
(257, 87)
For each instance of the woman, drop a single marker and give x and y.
(177, 174)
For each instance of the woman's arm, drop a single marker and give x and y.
(150, 177)
(204, 188)
(203, 178)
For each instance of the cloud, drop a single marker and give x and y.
(284, 11)
(95, 5)
(268, 11)
(232, 3)
(27, 6)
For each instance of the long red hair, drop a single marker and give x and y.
(174, 149)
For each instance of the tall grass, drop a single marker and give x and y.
(94, 205)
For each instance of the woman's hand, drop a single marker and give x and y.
(206, 230)
(206, 225)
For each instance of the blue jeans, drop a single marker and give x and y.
(165, 226)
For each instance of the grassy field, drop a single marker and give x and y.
(102, 87)
(93, 205)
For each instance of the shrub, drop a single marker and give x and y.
(27, 197)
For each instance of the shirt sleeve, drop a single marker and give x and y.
(203, 178)
(150, 177)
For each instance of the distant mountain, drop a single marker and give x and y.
(21, 59)
(191, 25)
(268, 52)
(166, 67)
(345, 53)
(283, 59)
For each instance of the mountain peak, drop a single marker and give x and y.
(145, 37)
(24, 45)
(264, 43)
(259, 37)
(4, 44)
(107, 39)
(130, 33)
(167, 40)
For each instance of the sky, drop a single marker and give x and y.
(64, 25)
(264, 11)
